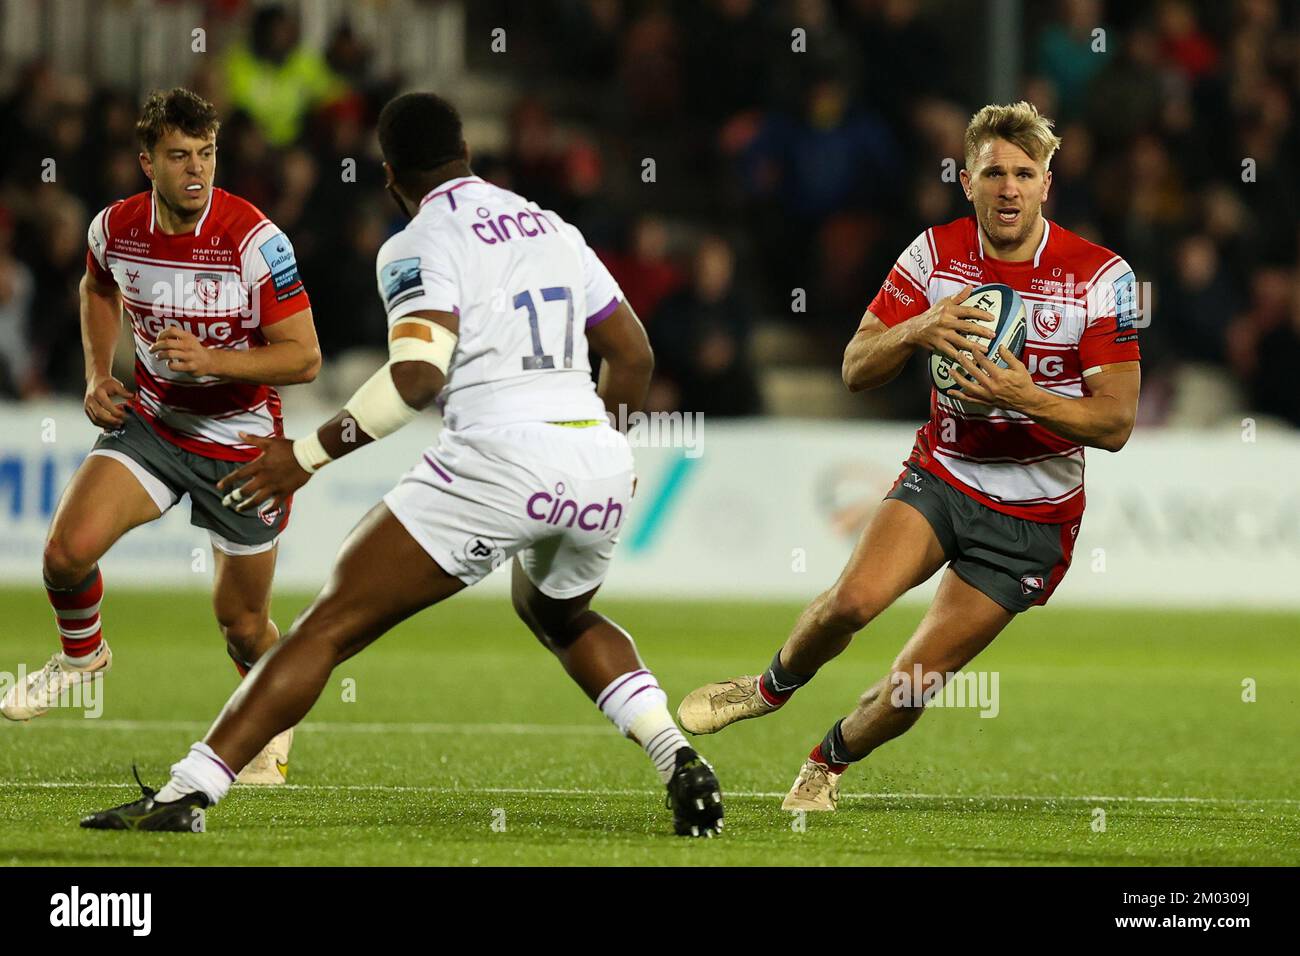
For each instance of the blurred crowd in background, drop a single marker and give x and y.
(784, 183)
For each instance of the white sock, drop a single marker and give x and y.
(200, 770)
(83, 661)
(638, 707)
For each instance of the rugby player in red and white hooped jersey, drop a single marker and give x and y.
(993, 487)
(219, 317)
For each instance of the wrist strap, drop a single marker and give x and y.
(311, 454)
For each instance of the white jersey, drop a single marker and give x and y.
(526, 287)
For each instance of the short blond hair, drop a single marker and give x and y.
(1019, 124)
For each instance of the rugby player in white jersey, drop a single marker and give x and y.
(491, 304)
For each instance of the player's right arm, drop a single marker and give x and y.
(901, 319)
(420, 345)
(101, 323)
(615, 334)
(413, 377)
(420, 288)
(626, 361)
(877, 351)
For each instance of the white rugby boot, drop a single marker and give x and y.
(271, 766)
(708, 709)
(42, 689)
(816, 789)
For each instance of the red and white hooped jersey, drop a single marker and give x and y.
(228, 279)
(1081, 307)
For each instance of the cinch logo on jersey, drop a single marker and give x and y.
(103, 909)
(499, 227)
(555, 509)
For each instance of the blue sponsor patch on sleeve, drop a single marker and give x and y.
(401, 281)
(278, 253)
(1126, 305)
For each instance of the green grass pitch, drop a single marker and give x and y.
(460, 720)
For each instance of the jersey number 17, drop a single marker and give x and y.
(555, 293)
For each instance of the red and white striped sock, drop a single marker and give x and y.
(76, 611)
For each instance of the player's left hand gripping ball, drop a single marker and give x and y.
(979, 379)
(271, 477)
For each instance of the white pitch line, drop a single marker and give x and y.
(347, 727)
(764, 794)
(514, 729)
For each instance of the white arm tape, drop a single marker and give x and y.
(311, 454)
(437, 353)
(377, 406)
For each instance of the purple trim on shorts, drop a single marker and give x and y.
(222, 764)
(600, 701)
(438, 468)
(604, 313)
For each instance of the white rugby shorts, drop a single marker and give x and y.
(556, 495)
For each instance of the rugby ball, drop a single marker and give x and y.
(1007, 323)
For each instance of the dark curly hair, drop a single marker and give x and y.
(178, 108)
(419, 132)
